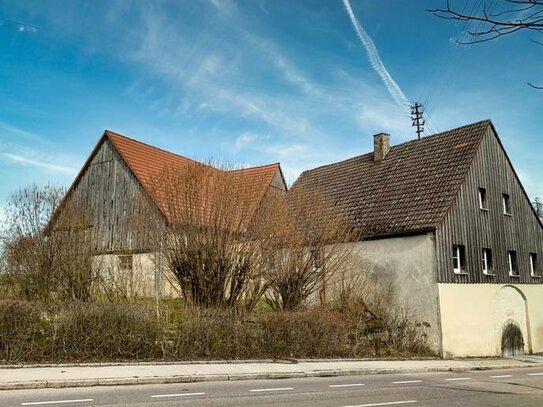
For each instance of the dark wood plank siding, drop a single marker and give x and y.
(466, 224)
(112, 195)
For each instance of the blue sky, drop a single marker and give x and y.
(249, 82)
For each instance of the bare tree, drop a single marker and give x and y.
(207, 235)
(48, 260)
(500, 19)
(308, 244)
(538, 206)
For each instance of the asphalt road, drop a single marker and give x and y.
(511, 387)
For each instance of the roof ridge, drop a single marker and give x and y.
(276, 164)
(108, 132)
(431, 136)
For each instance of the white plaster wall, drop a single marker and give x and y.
(146, 277)
(473, 317)
(409, 264)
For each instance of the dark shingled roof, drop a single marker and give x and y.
(411, 190)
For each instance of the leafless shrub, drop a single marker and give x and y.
(317, 333)
(27, 250)
(21, 330)
(303, 238)
(49, 258)
(207, 235)
(370, 302)
(214, 334)
(107, 332)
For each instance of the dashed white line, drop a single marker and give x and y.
(457, 379)
(176, 395)
(41, 403)
(407, 382)
(272, 389)
(346, 385)
(535, 374)
(389, 403)
(501, 376)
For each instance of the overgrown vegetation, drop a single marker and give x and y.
(34, 332)
(277, 281)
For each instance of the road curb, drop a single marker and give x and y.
(134, 380)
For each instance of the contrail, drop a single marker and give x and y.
(375, 60)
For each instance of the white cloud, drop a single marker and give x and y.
(6, 127)
(19, 159)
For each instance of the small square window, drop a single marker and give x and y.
(482, 199)
(506, 204)
(512, 263)
(125, 262)
(458, 256)
(533, 265)
(488, 268)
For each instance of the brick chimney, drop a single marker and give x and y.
(381, 146)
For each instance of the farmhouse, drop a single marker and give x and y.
(449, 223)
(118, 187)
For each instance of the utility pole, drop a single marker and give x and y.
(416, 118)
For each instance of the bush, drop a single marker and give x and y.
(206, 334)
(107, 332)
(214, 334)
(32, 332)
(315, 333)
(22, 331)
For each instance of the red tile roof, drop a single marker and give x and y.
(148, 163)
(411, 190)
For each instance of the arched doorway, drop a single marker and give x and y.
(512, 340)
(511, 325)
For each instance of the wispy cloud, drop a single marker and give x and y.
(19, 159)
(6, 127)
(375, 60)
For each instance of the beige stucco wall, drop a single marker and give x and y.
(147, 278)
(473, 317)
(408, 263)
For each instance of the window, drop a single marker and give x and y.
(506, 204)
(488, 268)
(533, 265)
(512, 263)
(125, 262)
(459, 266)
(482, 199)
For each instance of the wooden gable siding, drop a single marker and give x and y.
(111, 193)
(466, 224)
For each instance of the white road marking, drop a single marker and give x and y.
(408, 381)
(346, 385)
(390, 403)
(500, 376)
(41, 403)
(273, 389)
(176, 395)
(456, 379)
(535, 374)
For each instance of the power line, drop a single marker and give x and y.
(17, 26)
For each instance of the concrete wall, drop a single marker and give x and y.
(409, 264)
(473, 317)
